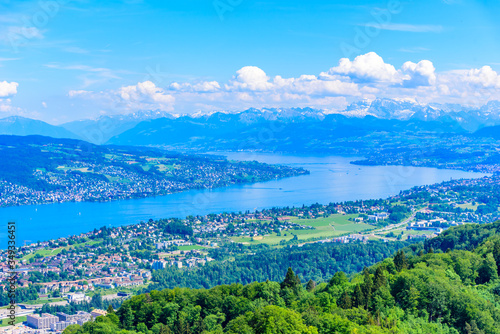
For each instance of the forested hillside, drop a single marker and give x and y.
(457, 291)
(312, 261)
(463, 237)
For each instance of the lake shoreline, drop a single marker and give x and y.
(331, 179)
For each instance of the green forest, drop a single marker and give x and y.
(318, 262)
(414, 291)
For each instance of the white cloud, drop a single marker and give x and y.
(473, 86)
(482, 77)
(369, 67)
(419, 74)
(145, 89)
(205, 86)
(75, 93)
(250, 78)
(311, 85)
(146, 93)
(8, 109)
(8, 88)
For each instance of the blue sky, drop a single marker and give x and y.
(62, 60)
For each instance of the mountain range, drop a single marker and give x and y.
(289, 124)
(20, 126)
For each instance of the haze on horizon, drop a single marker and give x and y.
(63, 60)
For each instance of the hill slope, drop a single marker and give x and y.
(100, 130)
(20, 126)
(490, 131)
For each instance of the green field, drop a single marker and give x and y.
(329, 227)
(5, 322)
(64, 168)
(54, 252)
(190, 247)
(44, 253)
(43, 301)
(468, 206)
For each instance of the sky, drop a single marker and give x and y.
(64, 60)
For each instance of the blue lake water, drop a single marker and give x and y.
(332, 179)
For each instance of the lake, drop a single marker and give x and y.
(332, 179)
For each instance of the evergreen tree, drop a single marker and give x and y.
(291, 281)
(359, 297)
(379, 279)
(110, 310)
(310, 285)
(400, 261)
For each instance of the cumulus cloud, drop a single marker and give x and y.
(473, 86)
(311, 85)
(419, 74)
(367, 76)
(482, 77)
(369, 67)
(146, 92)
(250, 78)
(8, 88)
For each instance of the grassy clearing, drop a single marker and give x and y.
(43, 301)
(55, 251)
(468, 206)
(190, 247)
(329, 227)
(165, 168)
(86, 243)
(64, 168)
(44, 253)
(5, 322)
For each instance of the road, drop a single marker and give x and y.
(394, 226)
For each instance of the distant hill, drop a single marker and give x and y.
(100, 130)
(490, 131)
(20, 126)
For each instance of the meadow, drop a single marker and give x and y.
(329, 227)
